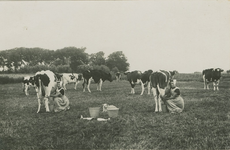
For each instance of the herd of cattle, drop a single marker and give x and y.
(45, 81)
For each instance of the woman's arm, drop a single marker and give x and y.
(175, 94)
(58, 94)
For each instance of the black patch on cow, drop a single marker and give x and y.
(25, 81)
(161, 79)
(79, 77)
(212, 74)
(58, 76)
(44, 79)
(71, 77)
(31, 80)
(145, 76)
(96, 75)
(133, 76)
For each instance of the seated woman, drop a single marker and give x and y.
(172, 99)
(61, 102)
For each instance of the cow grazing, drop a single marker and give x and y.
(137, 77)
(26, 83)
(45, 81)
(118, 76)
(212, 75)
(71, 78)
(98, 76)
(159, 82)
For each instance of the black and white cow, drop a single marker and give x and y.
(71, 78)
(159, 82)
(212, 75)
(27, 82)
(118, 76)
(137, 77)
(98, 76)
(45, 83)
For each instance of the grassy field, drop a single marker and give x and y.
(204, 124)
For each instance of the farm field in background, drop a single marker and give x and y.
(204, 124)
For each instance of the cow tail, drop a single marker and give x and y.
(40, 86)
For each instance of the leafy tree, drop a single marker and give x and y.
(97, 58)
(117, 59)
(115, 70)
(228, 71)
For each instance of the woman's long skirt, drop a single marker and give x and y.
(175, 105)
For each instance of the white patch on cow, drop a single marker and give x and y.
(66, 79)
(47, 89)
(26, 86)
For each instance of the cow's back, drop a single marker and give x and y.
(133, 76)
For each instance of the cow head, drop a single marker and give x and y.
(58, 76)
(71, 77)
(217, 72)
(126, 73)
(80, 77)
(109, 77)
(31, 80)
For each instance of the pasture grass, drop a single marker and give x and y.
(204, 123)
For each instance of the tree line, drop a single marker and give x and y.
(68, 59)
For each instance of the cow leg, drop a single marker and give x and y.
(83, 84)
(142, 88)
(217, 85)
(75, 87)
(162, 93)
(100, 84)
(26, 89)
(148, 88)
(132, 88)
(39, 105)
(155, 98)
(47, 104)
(207, 86)
(89, 81)
(204, 82)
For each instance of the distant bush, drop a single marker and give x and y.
(188, 77)
(36, 68)
(6, 80)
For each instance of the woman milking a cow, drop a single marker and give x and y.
(60, 101)
(172, 98)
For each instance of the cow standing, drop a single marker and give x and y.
(137, 77)
(159, 82)
(26, 83)
(118, 76)
(212, 75)
(45, 82)
(71, 78)
(98, 76)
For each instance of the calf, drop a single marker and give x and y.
(71, 78)
(212, 75)
(45, 83)
(118, 76)
(137, 77)
(98, 76)
(26, 83)
(159, 82)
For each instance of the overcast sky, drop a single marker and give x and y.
(186, 36)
